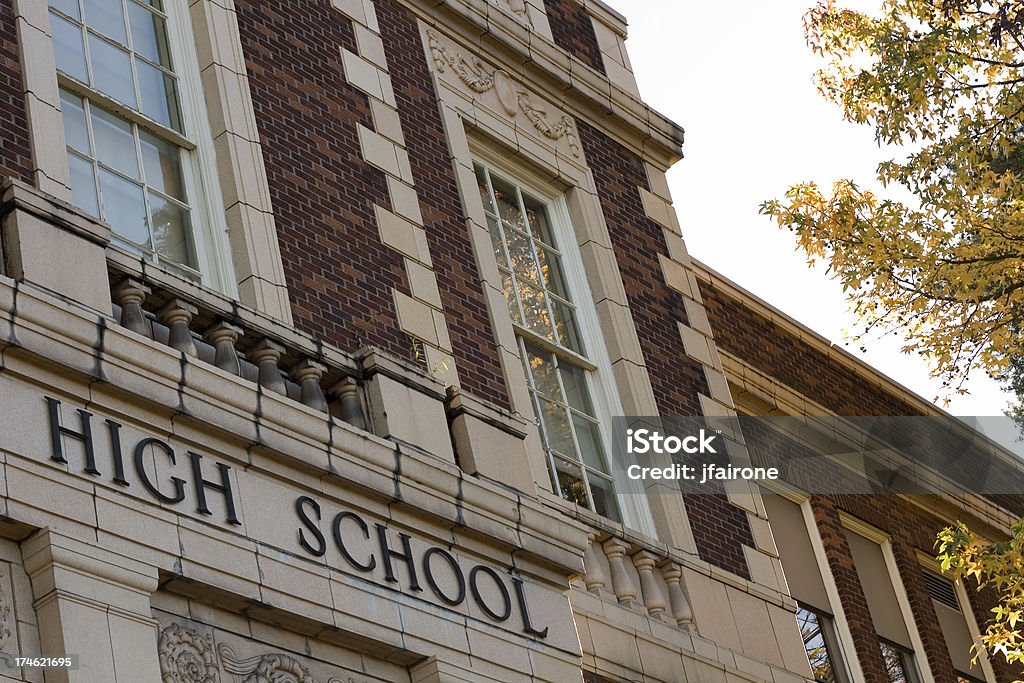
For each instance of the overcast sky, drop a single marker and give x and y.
(737, 77)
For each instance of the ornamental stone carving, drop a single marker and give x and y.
(186, 656)
(268, 668)
(475, 75)
(5, 620)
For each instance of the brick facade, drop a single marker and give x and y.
(340, 276)
(573, 31)
(15, 149)
(720, 528)
(743, 332)
(458, 279)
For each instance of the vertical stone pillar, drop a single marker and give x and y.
(96, 604)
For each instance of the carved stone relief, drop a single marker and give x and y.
(6, 619)
(188, 656)
(518, 9)
(476, 76)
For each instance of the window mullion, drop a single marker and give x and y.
(93, 157)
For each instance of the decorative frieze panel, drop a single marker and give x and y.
(186, 656)
(497, 89)
(190, 655)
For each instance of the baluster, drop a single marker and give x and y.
(678, 603)
(307, 374)
(594, 577)
(177, 315)
(223, 336)
(266, 355)
(351, 408)
(654, 601)
(622, 586)
(129, 295)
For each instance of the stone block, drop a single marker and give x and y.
(408, 415)
(38, 251)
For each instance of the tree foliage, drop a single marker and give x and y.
(996, 565)
(945, 266)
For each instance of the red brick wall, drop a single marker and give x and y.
(469, 326)
(911, 529)
(742, 332)
(15, 149)
(339, 274)
(573, 31)
(720, 528)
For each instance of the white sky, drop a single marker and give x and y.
(737, 77)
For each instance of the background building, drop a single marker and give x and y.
(315, 316)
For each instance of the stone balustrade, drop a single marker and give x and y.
(636, 576)
(214, 329)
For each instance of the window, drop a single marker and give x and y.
(899, 663)
(806, 582)
(952, 615)
(131, 155)
(818, 632)
(560, 375)
(887, 601)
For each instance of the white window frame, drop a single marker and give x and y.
(851, 523)
(629, 495)
(847, 651)
(199, 163)
(929, 563)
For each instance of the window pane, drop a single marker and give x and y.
(112, 71)
(485, 194)
(604, 497)
(171, 230)
(565, 324)
(551, 271)
(810, 624)
(159, 95)
(76, 132)
(521, 255)
(535, 310)
(162, 163)
(508, 288)
(508, 203)
(124, 208)
(589, 438)
(149, 35)
(543, 372)
(570, 482)
(106, 16)
(67, 48)
(83, 185)
(115, 144)
(538, 217)
(577, 395)
(68, 7)
(556, 427)
(897, 666)
(499, 249)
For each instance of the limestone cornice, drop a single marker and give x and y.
(550, 71)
